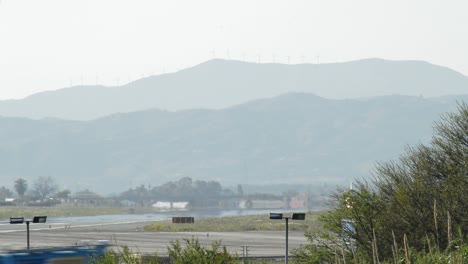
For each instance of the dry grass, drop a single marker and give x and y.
(238, 223)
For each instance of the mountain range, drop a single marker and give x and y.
(218, 84)
(291, 138)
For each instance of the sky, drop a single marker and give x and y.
(52, 44)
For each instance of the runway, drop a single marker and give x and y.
(131, 234)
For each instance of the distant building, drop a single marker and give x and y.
(180, 205)
(87, 197)
(162, 205)
(261, 204)
(297, 203)
(171, 205)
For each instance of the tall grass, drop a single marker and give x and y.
(331, 251)
(455, 253)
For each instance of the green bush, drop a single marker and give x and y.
(122, 255)
(193, 252)
(409, 211)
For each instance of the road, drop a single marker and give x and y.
(261, 243)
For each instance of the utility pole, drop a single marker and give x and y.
(27, 232)
(287, 234)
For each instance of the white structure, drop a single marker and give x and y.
(180, 205)
(170, 205)
(162, 205)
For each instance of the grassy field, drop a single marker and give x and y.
(238, 223)
(58, 211)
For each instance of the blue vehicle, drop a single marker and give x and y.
(69, 255)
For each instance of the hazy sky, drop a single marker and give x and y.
(51, 44)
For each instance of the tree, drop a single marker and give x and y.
(5, 193)
(240, 191)
(65, 194)
(21, 186)
(44, 186)
(417, 200)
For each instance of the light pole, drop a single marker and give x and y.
(294, 216)
(20, 220)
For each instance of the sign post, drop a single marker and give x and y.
(20, 220)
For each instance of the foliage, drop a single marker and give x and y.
(312, 253)
(21, 185)
(65, 194)
(315, 253)
(188, 252)
(43, 187)
(191, 252)
(5, 193)
(194, 252)
(414, 203)
(121, 255)
(198, 193)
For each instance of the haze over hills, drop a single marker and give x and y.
(293, 138)
(217, 84)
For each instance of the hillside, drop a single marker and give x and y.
(293, 138)
(219, 84)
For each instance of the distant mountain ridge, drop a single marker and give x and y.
(217, 84)
(294, 138)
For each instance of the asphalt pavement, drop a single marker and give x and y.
(131, 234)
